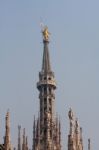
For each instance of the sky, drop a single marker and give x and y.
(74, 53)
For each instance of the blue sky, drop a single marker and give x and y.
(74, 50)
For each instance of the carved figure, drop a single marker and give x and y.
(70, 114)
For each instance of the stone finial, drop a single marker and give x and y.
(19, 137)
(81, 138)
(76, 126)
(7, 132)
(71, 114)
(89, 144)
(71, 118)
(24, 140)
(26, 143)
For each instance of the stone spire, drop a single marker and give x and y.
(71, 142)
(7, 141)
(71, 119)
(81, 138)
(77, 133)
(46, 87)
(89, 144)
(26, 143)
(19, 137)
(37, 132)
(24, 140)
(75, 141)
(46, 66)
(60, 134)
(34, 135)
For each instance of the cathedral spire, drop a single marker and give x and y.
(89, 144)
(34, 134)
(27, 143)
(24, 140)
(71, 119)
(81, 137)
(46, 137)
(46, 67)
(38, 131)
(7, 142)
(60, 134)
(19, 137)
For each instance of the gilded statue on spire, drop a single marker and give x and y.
(45, 33)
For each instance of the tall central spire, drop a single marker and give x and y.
(46, 67)
(47, 127)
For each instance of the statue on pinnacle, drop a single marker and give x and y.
(45, 33)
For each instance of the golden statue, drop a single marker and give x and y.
(45, 33)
